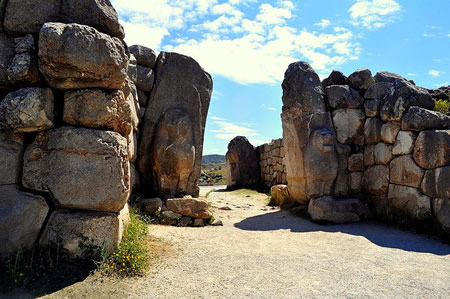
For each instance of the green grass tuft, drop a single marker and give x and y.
(442, 106)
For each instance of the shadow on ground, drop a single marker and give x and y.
(379, 234)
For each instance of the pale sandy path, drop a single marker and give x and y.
(263, 253)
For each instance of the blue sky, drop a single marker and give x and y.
(246, 45)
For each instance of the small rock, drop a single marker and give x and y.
(225, 208)
(337, 210)
(217, 222)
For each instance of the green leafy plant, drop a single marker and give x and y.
(442, 106)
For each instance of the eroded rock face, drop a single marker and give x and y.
(432, 149)
(145, 78)
(337, 210)
(441, 208)
(404, 171)
(11, 152)
(409, 200)
(180, 84)
(75, 56)
(242, 164)
(94, 108)
(192, 207)
(404, 144)
(389, 132)
(342, 96)
(436, 182)
(92, 170)
(65, 229)
(144, 56)
(418, 119)
(335, 78)
(375, 180)
(6, 55)
(361, 79)
(22, 215)
(372, 130)
(27, 110)
(349, 124)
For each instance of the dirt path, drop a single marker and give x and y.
(265, 253)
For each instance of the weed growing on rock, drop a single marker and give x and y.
(442, 106)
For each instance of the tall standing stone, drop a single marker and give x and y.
(242, 164)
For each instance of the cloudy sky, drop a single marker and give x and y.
(246, 45)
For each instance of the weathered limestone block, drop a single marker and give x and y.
(192, 207)
(356, 162)
(11, 152)
(340, 188)
(349, 124)
(418, 119)
(372, 107)
(82, 168)
(361, 79)
(404, 171)
(383, 153)
(387, 77)
(28, 16)
(21, 218)
(432, 149)
(441, 208)
(94, 108)
(342, 96)
(337, 210)
(23, 68)
(76, 56)
(354, 182)
(375, 180)
(144, 56)
(404, 144)
(389, 132)
(404, 95)
(145, 78)
(65, 228)
(378, 91)
(180, 84)
(436, 182)
(242, 164)
(335, 78)
(409, 200)
(27, 110)
(99, 14)
(369, 155)
(6, 55)
(372, 130)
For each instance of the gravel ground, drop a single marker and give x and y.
(265, 253)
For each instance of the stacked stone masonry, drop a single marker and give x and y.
(271, 162)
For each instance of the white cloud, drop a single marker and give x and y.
(324, 23)
(411, 74)
(373, 14)
(216, 118)
(273, 15)
(264, 106)
(143, 34)
(228, 130)
(434, 73)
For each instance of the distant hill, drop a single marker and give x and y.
(213, 159)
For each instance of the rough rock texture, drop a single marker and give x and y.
(6, 55)
(418, 119)
(21, 217)
(436, 182)
(99, 14)
(77, 56)
(349, 124)
(404, 144)
(144, 56)
(145, 78)
(432, 149)
(375, 97)
(27, 110)
(409, 200)
(342, 96)
(361, 79)
(132, 69)
(335, 78)
(354, 182)
(23, 69)
(337, 210)
(387, 77)
(372, 130)
(94, 108)
(383, 153)
(389, 132)
(11, 152)
(441, 208)
(92, 170)
(242, 164)
(150, 206)
(271, 161)
(369, 155)
(65, 229)
(356, 162)
(375, 180)
(180, 83)
(404, 171)
(192, 207)
(340, 188)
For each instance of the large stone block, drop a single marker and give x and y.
(418, 119)
(432, 149)
(22, 215)
(340, 188)
(361, 79)
(436, 182)
(192, 207)
(27, 110)
(338, 210)
(372, 130)
(81, 168)
(75, 56)
(23, 69)
(383, 153)
(349, 124)
(387, 77)
(11, 152)
(335, 78)
(404, 171)
(342, 96)
(242, 164)
(389, 132)
(66, 230)
(410, 201)
(145, 78)
(404, 143)
(375, 180)
(144, 56)
(356, 162)
(95, 108)
(176, 114)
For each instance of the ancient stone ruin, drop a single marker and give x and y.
(72, 100)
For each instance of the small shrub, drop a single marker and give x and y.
(442, 106)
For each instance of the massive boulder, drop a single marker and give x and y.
(182, 85)
(144, 56)
(418, 119)
(404, 144)
(372, 130)
(21, 218)
(335, 78)
(338, 210)
(11, 152)
(145, 78)
(361, 79)
(375, 180)
(349, 124)
(436, 182)
(81, 168)
(410, 201)
(242, 164)
(342, 96)
(27, 110)
(192, 207)
(94, 108)
(76, 56)
(432, 149)
(404, 171)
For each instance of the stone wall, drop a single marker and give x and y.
(271, 162)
